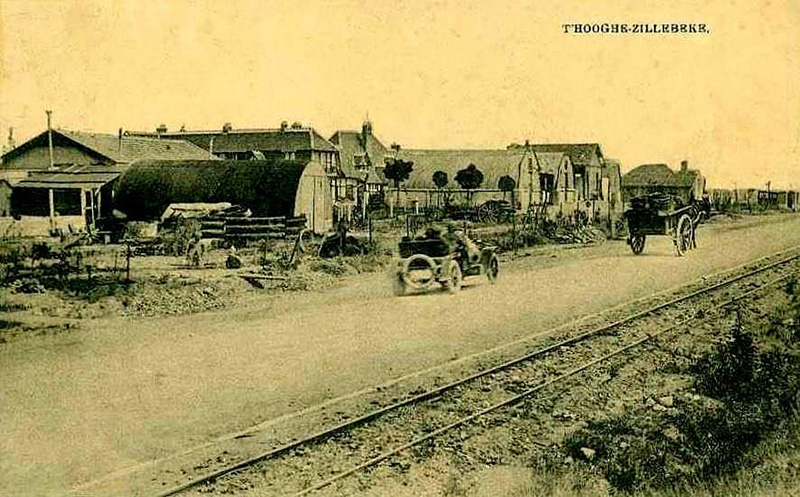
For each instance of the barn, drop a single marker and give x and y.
(687, 184)
(547, 176)
(267, 187)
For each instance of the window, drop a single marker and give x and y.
(328, 162)
(547, 185)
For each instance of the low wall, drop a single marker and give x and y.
(34, 226)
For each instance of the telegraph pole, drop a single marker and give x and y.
(51, 200)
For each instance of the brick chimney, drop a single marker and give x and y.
(366, 131)
(684, 166)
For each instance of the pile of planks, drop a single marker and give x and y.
(251, 228)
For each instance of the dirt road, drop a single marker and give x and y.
(76, 406)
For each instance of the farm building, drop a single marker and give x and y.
(686, 184)
(544, 173)
(74, 196)
(547, 176)
(269, 188)
(78, 148)
(295, 142)
(362, 156)
(78, 188)
(587, 162)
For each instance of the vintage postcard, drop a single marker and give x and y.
(399, 248)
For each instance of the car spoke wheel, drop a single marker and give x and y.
(493, 271)
(453, 282)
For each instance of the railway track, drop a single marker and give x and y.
(359, 443)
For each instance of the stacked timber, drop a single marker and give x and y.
(251, 228)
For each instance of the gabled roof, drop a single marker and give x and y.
(246, 140)
(579, 153)
(355, 152)
(112, 148)
(659, 175)
(494, 164)
(72, 177)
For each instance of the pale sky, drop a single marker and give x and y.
(431, 74)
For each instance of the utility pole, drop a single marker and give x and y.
(50, 198)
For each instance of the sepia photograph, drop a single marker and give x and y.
(445, 248)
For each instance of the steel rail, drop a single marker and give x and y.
(328, 432)
(527, 393)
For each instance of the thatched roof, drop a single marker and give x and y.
(659, 175)
(268, 188)
(494, 164)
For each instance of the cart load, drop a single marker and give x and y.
(663, 214)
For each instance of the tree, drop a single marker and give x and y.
(398, 170)
(469, 179)
(507, 184)
(440, 180)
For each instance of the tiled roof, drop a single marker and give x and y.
(121, 151)
(246, 140)
(579, 153)
(494, 164)
(353, 153)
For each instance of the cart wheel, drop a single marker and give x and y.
(637, 243)
(493, 271)
(453, 282)
(486, 214)
(683, 235)
(398, 285)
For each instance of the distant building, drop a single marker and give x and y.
(560, 178)
(269, 188)
(79, 148)
(587, 162)
(686, 184)
(363, 156)
(288, 142)
(78, 188)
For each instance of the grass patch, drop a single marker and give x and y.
(745, 391)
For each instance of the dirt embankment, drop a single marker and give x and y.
(710, 412)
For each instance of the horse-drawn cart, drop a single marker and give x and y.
(662, 214)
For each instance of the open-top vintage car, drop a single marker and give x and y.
(443, 258)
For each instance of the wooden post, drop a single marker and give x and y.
(514, 233)
(52, 162)
(83, 207)
(128, 263)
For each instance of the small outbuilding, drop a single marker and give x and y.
(687, 184)
(269, 188)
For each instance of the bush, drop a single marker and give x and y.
(747, 394)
